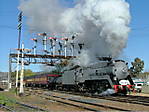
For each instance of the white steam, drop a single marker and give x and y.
(108, 92)
(42, 15)
(103, 23)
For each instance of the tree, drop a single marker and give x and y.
(144, 75)
(137, 67)
(27, 72)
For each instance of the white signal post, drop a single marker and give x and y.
(60, 48)
(23, 50)
(22, 71)
(72, 49)
(51, 49)
(17, 72)
(51, 43)
(35, 46)
(54, 46)
(45, 42)
(66, 39)
(72, 45)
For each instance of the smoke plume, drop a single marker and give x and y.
(42, 15)
(103, 23)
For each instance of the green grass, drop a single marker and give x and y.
(5, 99)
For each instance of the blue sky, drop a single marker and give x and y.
(137, 46)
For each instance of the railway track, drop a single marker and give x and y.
(23, 106)
(6, 108)
(87, 105)
(128, 99)
(32, 107)
(141, 100)
(95, 103)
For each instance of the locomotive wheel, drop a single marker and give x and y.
(81, 87)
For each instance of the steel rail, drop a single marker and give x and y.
(82, 102)
(6, 107)
(144, 101)
(123, 99)
(71, 104)
(32, 107)
(94, 104)
(23, 105)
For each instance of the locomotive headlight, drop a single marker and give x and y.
(113, 62)
(114, 78)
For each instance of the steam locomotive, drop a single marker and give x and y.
(94, 78)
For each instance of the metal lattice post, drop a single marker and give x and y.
(19, 28)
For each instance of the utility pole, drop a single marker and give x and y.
(19, 39)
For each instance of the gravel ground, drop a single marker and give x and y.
(145, 89)
(122, 105)
(145, 92)
(39, 102)
(52, 105)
